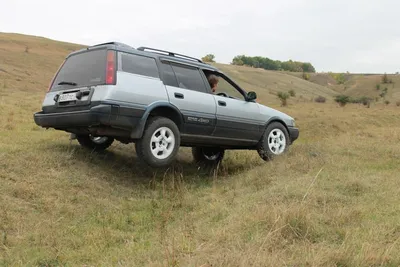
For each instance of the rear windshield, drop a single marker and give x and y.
(84, 69)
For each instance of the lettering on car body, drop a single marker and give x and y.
(199, 120)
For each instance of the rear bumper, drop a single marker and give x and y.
(97, 115)
(103, 114)
(293, 134)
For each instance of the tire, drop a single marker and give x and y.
(209, 156)
(100, 143)
(166, 132)
(274, 142)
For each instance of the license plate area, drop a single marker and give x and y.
(67, 97)
(75, 97)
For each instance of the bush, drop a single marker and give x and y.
(378, 87)
(398, 103)
(292, 93)
(306, 76)
(385, 79)
(342, 100)
(361, 100)
(384, 92)
(366, 101)
(283, 96)
(339, 77)
(387, 102)
(320, 99)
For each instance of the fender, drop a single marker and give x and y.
(138, 130)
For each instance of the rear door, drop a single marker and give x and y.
(72, 87)
(187, 90)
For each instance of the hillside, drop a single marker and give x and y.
(358, 85)
(332, 200)
(28, 62)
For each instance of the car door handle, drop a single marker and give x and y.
(179, 95)
(222, 103)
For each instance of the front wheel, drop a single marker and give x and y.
(97, 143)
(208, 155)
(160, 142)
(274, 142)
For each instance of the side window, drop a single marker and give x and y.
(189, 78)
(141, 65)
(168, 75)
(225, 87)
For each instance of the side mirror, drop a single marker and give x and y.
(251, 96)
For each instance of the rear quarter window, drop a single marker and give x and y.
(140, 65)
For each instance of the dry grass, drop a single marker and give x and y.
(331, 201)
(358, 85)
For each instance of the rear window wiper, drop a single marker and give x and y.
(67, 83)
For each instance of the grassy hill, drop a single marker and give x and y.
(268, 83)
(358, 85)
(332, 200)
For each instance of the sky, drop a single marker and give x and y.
(359, 36)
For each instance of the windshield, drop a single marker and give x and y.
(84, 69)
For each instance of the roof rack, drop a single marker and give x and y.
(143, 48)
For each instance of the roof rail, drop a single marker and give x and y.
(113, 43)
(143, 48)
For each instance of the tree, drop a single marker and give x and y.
(270, 64)
(339, 77)
(307, 67)
(208, 58)
(385, 78)
(238, 61)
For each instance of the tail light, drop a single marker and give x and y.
(55, 75)
(110, 71)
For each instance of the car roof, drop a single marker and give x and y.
(150, 52)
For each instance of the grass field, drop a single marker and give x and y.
(332, 200)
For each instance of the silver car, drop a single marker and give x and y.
(161, 101)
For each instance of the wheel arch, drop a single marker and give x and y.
(164, 109)
(272, 120)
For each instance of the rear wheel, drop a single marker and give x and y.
(208, 155)
(97, 143)
(274, 142)
(160, 142)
